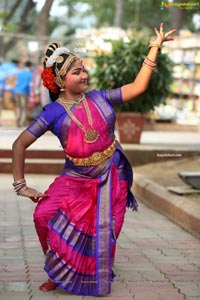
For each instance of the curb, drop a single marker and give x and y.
(177, 208)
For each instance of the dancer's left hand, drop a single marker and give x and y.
(162, 36)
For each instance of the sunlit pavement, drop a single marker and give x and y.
(156, 260)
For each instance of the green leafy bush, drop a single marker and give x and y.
(122, 66)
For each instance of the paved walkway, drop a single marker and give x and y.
(156, 260)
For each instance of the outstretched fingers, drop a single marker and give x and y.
(168, 35)
(161, 29)
(162, 35)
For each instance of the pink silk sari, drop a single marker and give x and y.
(80, 220)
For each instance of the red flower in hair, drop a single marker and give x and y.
(49, 80)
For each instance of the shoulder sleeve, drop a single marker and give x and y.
(44, 121)
(113, 97)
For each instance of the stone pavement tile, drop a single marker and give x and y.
(183, 276)
(8, 268)
(143, 267)
(136, 259)
(15, 290)
(20, 286)
(125, 244)
(158, 290)
(189, 267)
(129, 276)
(13, 276)
(186, 244)
(35, 258)
(15, 296)
(125, 267)
(192, 255)
(10, 245)
(38, 276)
(149, 243)
(163, 267)
(153, 275)
(53, 295)
(169, 259)
(191, 289)
(13, 239)
(70, 297)
(45, 296)
(193, 298)
(10, 257)
(150, 295)
(109, 297)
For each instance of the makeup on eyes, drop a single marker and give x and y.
(79, 70)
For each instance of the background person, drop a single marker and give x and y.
(39, 94)
(22, 91)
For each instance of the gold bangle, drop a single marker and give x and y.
(155, 45)
(20, 181)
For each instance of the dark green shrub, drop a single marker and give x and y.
(121, 67)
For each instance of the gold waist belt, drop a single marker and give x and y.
(95, 159)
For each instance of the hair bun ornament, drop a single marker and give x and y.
(56, 56)
(50, 50)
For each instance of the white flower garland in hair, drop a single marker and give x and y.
(52, 59)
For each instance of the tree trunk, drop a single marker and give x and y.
(6, 19)
(118, 13)
(177, 18)
(41, 22)
(11, 12)
(23, 25)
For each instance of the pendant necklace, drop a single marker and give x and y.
(91, 135)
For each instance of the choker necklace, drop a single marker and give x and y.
(70, 103)
(91, 135)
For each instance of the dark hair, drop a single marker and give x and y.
(15, 61)
(28, 64)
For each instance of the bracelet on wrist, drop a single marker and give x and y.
(155, 45)
(19, 181)
(149, 63)
(19, 186)
(150, 67)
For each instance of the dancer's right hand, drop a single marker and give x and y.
(33, 194)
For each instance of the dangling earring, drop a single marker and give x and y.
(62, 90)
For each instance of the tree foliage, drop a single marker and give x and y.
(20, 16)
(121, 67)
(138, 14)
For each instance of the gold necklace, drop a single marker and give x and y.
(91, 135)
(70, 103)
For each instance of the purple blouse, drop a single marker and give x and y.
(55, 118)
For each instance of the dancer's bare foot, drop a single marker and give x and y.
(48, 286)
